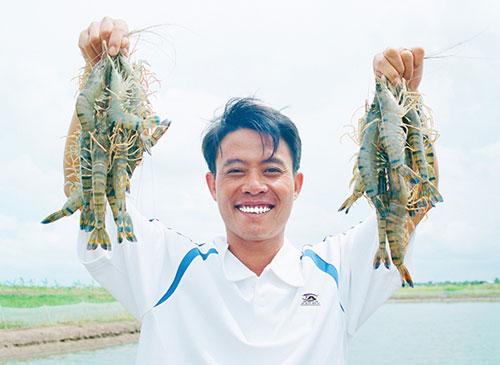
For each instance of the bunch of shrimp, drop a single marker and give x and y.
(394, 169)
(117, 126)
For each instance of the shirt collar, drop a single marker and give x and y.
(286, 265)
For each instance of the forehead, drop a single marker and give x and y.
(251, 147)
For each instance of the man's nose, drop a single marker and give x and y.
(254, 184)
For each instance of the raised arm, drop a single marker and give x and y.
(135, 273)
(363, 287)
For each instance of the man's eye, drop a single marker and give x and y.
(233, 171)
(273, 170)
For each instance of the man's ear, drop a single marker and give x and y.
(210, 179)
(298, 181)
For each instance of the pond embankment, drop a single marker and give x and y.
(41, 321)
(23, 343)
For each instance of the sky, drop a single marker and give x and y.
(311, 60)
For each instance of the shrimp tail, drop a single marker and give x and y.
(87, 219)
(99, 236)
(159, 131)
(73, 203)
(148, 141)
(125, 227)
(405, 275)
(431, 191)
(129, 229)
(381, 256)
(53, 217)
(406, 171)
(349, 202)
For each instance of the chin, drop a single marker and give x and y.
(256, 235)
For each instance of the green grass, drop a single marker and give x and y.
(25, 296)
(31, 296)
(449, 290)
(8, 325)
(20, 296)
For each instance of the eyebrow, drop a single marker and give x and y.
(274, 160)
(233, 161)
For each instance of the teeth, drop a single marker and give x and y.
(254, 210)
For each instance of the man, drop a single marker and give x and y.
(251, 297)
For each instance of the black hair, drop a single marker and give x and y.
(249, 113)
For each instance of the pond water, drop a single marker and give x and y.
(398, 333)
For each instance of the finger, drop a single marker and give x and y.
(106, 28)
(125, 45)
(82, 42)
(122, 24)
(85, 47)
(394, 58)
(94, 37)
(384, 68)
(418, 67)
(120, 30)
(407, 58)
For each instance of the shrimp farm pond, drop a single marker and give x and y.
(441, 333)
(450, 323)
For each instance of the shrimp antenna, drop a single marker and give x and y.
(154, 26)
(138, 34)
(439, 54)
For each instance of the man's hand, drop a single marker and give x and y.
(405, 63)
(114, 32)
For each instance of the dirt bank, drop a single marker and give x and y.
(443, 299)
(16, 344)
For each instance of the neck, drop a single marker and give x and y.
(255, 255)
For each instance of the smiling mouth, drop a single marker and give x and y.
(255, 209)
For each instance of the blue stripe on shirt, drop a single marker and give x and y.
(322, 264)
(186, 261)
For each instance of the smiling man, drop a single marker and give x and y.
(253, 153)
(250, 297)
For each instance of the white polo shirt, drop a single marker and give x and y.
(199, 304)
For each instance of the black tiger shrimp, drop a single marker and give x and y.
(394, 169)
(117, 126)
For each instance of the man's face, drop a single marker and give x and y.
(254, 191)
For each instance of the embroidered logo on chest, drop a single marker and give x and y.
(310, 299)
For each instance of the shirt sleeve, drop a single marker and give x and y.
(362, 288)
(135, 273)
